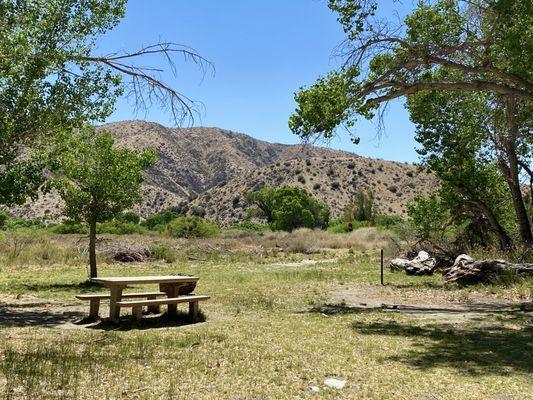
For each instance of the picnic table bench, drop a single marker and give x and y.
(170, 286)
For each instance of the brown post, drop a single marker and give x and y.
(193, 310)
(382, 267)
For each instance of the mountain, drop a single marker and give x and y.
(210, 169)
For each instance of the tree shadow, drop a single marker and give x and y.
(79, 287)
(470, 350)
(11, 317)
(468, 308)
(127, 323)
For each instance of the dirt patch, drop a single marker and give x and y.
(304, 263)
(421, 304)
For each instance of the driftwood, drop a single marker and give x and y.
(465, 270)
(422, 264)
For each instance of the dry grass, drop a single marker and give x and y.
(265, 335)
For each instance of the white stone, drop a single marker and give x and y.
(315, 389)
(335, 383)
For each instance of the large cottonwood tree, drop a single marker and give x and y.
(452, 46)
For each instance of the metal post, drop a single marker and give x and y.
(382, 267)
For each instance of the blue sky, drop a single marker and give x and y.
(263, 51)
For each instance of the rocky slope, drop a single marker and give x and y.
(215, 167)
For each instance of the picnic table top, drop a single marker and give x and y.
(125, 280)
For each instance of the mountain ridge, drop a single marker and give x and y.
(209, 168)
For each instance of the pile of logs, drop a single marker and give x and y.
(466, 271)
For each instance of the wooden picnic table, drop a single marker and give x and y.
(168, 284)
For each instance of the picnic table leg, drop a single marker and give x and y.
(114, 310)
(172, 291)
(94, 307)
(193, 310)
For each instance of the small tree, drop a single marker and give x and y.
(361, 208)
(96, 180)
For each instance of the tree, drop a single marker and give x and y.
(51, 80)
(96, 180)
(288, 208)
(454, 131)
(453, 46)
(361, 208)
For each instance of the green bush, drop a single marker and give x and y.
(129, 216)
(4, 216)
(340, 226)
(387, 221)
(191, 226)
(250, 226)
(69, 228)
(161, 218)
(163, 252)
(120, 228)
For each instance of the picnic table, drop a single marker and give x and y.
(169, 285)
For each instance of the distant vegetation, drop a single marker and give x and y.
(287, 208)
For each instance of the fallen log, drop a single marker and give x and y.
(422, 264)
(467, 271)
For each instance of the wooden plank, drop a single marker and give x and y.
(127, 280)
(124, 295)
(175, 300)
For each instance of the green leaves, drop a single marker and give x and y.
(324, 106)
(96, 180)
(288, 208)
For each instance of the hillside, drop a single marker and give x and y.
(215, 167)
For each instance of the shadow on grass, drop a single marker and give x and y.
(470, 350)
(127, 323)
(471, 308)
(78, 288)
(19, 317)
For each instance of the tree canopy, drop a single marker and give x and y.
(479, 50)
(287, 208)
(96, 180)
(52, 80)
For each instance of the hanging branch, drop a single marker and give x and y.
(145, 85)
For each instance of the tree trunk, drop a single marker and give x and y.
(505, 240)
(511, 172)
(92, 249)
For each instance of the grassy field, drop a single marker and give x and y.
(276, 327)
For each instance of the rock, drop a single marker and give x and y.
(335, 383)
(422, 264)
(315, 389)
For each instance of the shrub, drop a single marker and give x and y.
(129, 216)
(161, 218)
(163, 252)
(191, 226)
(249, 226)
(4, 216)
(69, 228)
(387, 221)
(120, 228)
(340, 226)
